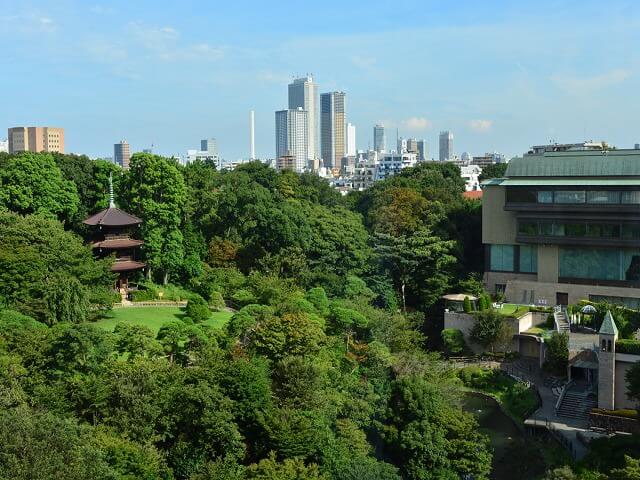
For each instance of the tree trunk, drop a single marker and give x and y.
(404, 300)
(165, 278)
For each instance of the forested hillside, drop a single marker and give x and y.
(323, 369)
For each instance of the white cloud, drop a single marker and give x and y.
(481, 126)
(27, 23)
(586, 84)
(417, 123)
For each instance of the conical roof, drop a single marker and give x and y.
(112, 217)
(608, 326)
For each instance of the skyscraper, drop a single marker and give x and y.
(332, 128)
(446, 145)
(291, 136)
(121, 154)
(379, 141)
(423, 150)
(36, 139)
(209, 145)
(303, 93)
(351, 140)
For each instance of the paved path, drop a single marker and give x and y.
(565, 429)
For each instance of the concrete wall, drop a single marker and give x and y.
(548, 263)
(498, 226)
(465, 322)
(623, 363)
(529, 347)
(545, 292)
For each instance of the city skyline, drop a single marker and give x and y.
(162, 76)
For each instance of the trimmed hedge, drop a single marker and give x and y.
(628, 346)
(626, 413)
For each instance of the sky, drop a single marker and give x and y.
(501, 75)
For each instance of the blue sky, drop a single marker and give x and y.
(502, 75)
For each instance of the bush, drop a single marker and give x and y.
(631, 347)
(466, 305)
(557, 353)
(216, 300)
(187, 320)
(626, 413)
(198, 309)
(453, 340)
(243, 297)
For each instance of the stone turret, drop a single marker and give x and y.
(607, 337)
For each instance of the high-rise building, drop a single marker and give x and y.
(412, 145)
(36, 139)
(402, 145)
(351, 140)
(446, 145)
(423, 150)
(303, 93)
(379, 141)
(333, 128)
(291, 136)
(4, 146)
(121, 154)
(209, 145)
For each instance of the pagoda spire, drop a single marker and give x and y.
(112, 203)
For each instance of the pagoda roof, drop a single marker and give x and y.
(116, 243)
(112, 217)
(127, 265)
(608, 326)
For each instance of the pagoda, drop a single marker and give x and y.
(113, 236)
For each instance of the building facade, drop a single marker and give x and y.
(303, 93)
(488, 159)
(291, 136)
(122, 153)
(379, 140)
(423, 151)
(446, 146)
(351, 140)
(4, 146)
(565, 226)
(333, 128)
(35, 139)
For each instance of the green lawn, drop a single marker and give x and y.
(513, 310)
(154, 317)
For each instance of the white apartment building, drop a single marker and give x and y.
(291, 136)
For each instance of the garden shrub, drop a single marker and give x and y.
(198, 309)
(454, 343)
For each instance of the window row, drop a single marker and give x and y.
(513, 258)
(570, 197)
(625, 231)
(599, 264)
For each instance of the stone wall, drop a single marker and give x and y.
(613, 423)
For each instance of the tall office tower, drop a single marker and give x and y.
(332, 128)
(252, 145)
(303, 93)
(351, 140)
(4, 146)
(36, 139)
(402, 145)
(209, 145)
(379, 142)
(291, 136)
(121, 154)
(423, 150)
(446, 145)
(412, 145)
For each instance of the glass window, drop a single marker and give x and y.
(558, 229)
(545, 197)
(603, 197)
(631, 231)
(566, 196)
(575, 229)
(518, 195)
(600, 264)
(603, 230)
(502, 258)
(528, 258)
(546, 229)
(631, 197)
(528, 228)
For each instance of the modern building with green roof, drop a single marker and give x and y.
(564, 226)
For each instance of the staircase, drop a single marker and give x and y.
(577, 404)
(562, 323)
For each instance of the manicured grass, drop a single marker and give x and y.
(512, 310)
(154, 317)
(539, 332)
